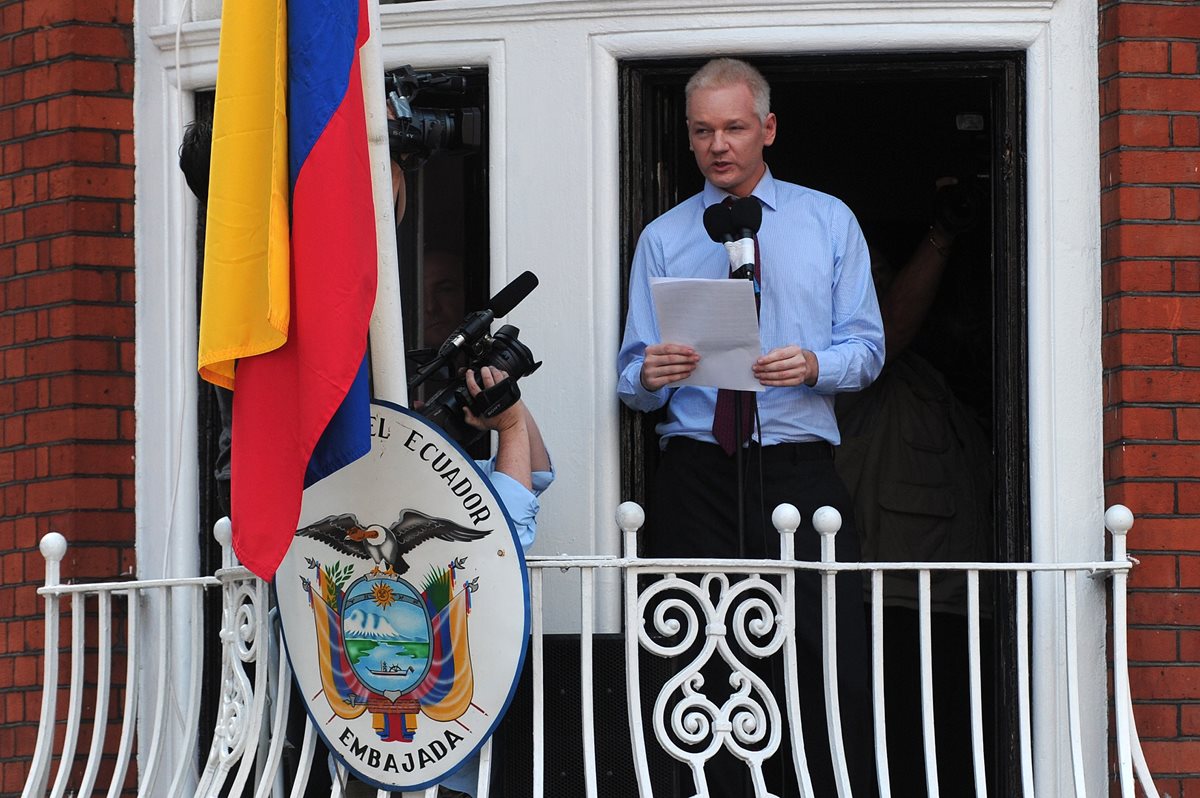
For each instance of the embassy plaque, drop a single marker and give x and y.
(404, 605)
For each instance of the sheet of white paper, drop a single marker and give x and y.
(717, 318)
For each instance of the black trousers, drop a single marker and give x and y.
(692, 513)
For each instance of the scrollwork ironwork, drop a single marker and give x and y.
(742, 621)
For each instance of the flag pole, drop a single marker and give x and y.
(386, 341)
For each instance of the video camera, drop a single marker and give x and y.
(956, 206)
(502, 350)
(416, 133)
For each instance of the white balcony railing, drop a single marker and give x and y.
(249, 740)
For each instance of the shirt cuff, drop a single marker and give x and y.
(521, 503)
(634, 394)
(830, 366)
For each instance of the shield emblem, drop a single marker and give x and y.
(404, 563)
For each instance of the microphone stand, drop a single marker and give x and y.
(738, 435)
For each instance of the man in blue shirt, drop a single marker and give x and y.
(821, 334)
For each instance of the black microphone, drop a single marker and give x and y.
(512, 294)
(476, 324)
(745, 216)
(718, 221)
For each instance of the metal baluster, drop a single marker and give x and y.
(786, 519)
(283, 697)
(53, 547)
(928, 731)
(1119, 520)
(1130, 758)
(132, 692)
(630, 518)
(103, 690)
(1023, 708)
(75, 702)
(255, 635)
(587, 588)
(877, 685)
(307, 749)
(976, 682)
(827, 522)
(186, 766)
(147, 779)
(1070, 588)
(539, 686)
(484, 783)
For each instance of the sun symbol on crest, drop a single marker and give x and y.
(383, 594)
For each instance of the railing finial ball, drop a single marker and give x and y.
(53, 546)
(827, 520)
(786, 518)
(1118, 519)
(630, 517)
(223, 531)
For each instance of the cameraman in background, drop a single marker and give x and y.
(918, 462)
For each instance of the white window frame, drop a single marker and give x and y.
(556, 61)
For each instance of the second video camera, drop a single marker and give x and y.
(416, 133)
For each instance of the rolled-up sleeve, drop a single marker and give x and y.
(521, 504)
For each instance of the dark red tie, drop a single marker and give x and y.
(724, 416)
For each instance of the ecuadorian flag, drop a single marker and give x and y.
(290, 258)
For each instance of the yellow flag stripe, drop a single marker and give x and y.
(245, 300)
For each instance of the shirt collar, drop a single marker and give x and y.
(764, 191)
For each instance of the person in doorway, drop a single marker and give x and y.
(918, 462)
(195, 155)
(822, 335)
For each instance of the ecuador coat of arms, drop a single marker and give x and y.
(404, 605)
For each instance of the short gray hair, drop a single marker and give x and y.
(722, 72)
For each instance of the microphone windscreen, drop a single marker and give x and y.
(512, 294)
(746, 214)
(718, 222)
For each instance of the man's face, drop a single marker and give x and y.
(728, 137)
(443, 296)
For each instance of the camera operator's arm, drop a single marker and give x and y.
(520, 450)
(399, 195)
(910, 293)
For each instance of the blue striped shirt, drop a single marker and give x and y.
(816, 293)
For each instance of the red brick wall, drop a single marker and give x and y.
(1150, 180)
(66, 322)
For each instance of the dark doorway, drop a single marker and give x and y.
(878, 132)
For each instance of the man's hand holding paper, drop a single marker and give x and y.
(712, 327)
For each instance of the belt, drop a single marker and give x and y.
(774, 453)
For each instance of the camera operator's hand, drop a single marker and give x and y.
(507, 418)
(520, 449)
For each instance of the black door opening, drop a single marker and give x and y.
(878, 133)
